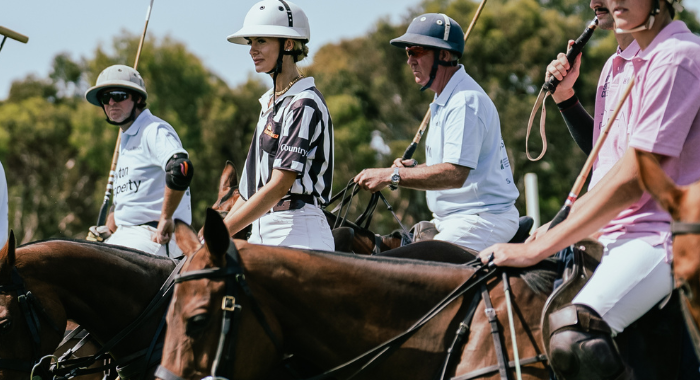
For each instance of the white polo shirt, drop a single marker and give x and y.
(139, 181)
(465, 130)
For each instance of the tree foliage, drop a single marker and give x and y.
(57, 148)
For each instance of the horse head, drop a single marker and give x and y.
(195, 314)
(683, 203)
(31, 326)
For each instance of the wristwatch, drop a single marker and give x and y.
(395, 178)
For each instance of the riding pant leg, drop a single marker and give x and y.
(581, 346)
(305, 228)
(140, 238)
(477, 231)
(632, 277)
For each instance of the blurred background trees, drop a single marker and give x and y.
(56, 148)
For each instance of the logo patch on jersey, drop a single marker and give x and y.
(294, 149)
(268, 131)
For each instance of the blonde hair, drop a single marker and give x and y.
(301, 47)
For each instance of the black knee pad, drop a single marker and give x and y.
(581, 346)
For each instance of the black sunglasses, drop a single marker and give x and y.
(117, 96)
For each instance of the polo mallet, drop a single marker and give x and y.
(7, 33)
(104, 210)
(551, 85)
(581, 179)
(426, 119)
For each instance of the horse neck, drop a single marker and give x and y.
(332, 298)
(102, 288)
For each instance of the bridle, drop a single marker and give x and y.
(686, 294)
(33, 312)
(235, 281)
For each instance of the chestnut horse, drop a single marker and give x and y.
(349, 237)
(683, 203)
(327, 308)
(104, 288)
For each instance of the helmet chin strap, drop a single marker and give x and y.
(132, 117)
(655, 10)
(278, 69)
(433, 71)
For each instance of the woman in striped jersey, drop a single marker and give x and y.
(289, 169)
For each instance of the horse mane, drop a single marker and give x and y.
(539, 277)
(127, 254)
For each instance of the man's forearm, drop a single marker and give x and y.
(434, 177)
(171, 199)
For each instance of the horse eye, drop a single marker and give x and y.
(5, 325)
(196, 323)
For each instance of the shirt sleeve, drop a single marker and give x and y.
(464, 133)
(165, 144)
(669, 102)
(302, 124)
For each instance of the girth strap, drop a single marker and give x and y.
(495, 333)
(693, 330)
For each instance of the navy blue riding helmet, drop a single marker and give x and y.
(435, 31)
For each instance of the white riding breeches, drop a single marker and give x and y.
(140, 238)
(477, 231)
(632, 278)
(303, 228)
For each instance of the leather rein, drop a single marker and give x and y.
(684, 228)
(233, 275)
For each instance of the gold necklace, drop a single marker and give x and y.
(281, 92)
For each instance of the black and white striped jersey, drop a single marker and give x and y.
(298, 138)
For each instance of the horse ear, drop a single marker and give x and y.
(229, 177)
(216, 234)
(9, 249)
(654, 180)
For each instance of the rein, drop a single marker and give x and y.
(32, 310)
(685, 228)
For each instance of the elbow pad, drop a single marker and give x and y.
(179, 172)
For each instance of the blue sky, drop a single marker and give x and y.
(79, 26)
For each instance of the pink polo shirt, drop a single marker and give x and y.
(613, 79)
(664, 119)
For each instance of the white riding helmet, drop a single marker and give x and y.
(273, 18)
(117, 76)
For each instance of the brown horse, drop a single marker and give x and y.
(349, 237)
(103, 288)
(327, 308)
(683, 203)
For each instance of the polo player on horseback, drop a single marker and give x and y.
(153, 174)
(635, 273)
(467, 176)
(288, 173)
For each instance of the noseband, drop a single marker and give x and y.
(235, 281)
(32, 310)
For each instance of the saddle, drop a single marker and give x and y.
(651, 346)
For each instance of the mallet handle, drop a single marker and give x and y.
(576, 48)
(581, 179)
(14, 35)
